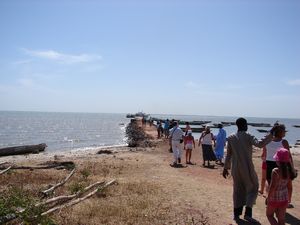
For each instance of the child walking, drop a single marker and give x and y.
(280, 190)
(189, 142)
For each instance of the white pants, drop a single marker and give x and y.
(176, 150)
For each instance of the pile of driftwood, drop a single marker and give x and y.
(136, 136)
(53, 204)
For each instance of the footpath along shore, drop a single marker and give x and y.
(148, 190)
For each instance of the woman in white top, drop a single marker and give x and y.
(271, 148)
(206, 140)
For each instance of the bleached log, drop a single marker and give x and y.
(78, 200)
(7, 169)
(46, 192)
(24, 149)
(2, 163)
(63, 198)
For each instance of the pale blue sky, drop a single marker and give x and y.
(234, 58)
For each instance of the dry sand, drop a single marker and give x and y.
(149, 191)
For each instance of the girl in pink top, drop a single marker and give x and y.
(189, 142)
(280, 188)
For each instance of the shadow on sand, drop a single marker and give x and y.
(210, 167)
(290, 219)
(244, 222)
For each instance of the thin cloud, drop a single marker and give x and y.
(191, 84)
(233, 87)
(25, 82)
(295, 82)
(62, 57)
(22, 62)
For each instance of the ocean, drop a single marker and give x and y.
(76, 131)
(62, 131)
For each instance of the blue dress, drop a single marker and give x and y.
(220, 143)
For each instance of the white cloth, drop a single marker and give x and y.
(176, 134)
(207, 139)
(272, 148)
(189, 146)
(176, 150)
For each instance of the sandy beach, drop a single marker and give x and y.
(148, 190)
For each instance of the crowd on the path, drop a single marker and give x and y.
(277, 164)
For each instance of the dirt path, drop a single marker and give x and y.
(197, 188)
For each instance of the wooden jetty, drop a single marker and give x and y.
(24, 149)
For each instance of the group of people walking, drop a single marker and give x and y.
(212, 146)
(277, 167)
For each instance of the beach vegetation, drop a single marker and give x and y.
(85, 172)
(17, 204)
(76, 187)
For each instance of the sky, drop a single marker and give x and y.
(204, 57)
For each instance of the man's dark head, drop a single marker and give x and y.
(241, 124)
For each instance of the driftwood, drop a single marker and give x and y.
(24, 149)
(104, 152)
(2, 163)
(49, 165)
(76, 201)
(50, 190)
(66, 164)
(64, 198)
(13, 216)
(7, 169)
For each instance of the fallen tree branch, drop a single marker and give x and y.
(7, 169)
(49, 165)
(76, 201)
(2, 163)
(69, 197)
(33, 167)
(50, 190)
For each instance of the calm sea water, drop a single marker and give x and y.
(62, 131)
(68, 131)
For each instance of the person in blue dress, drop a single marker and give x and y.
(220, 144)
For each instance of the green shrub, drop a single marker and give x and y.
(17, 203)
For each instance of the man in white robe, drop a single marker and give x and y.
(239, 159)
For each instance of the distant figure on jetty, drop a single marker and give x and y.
(206, 140)
(239, 159)
(159, 130)
(220, 143)
(176, 136)
(144, 121)
(189, 142)
(166, 128)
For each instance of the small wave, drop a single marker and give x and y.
(91, 148)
